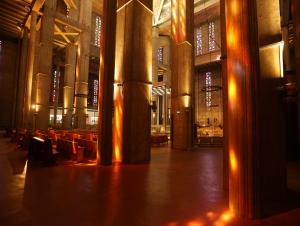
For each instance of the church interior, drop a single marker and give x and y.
(149, 112)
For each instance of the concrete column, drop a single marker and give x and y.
(34, 79)
(22, 81)
(165, 109)
(106, 81)
(155, 46)
(43, 79)
(31, 61)
(82, 76)
(257, 172)
(133, 80)
(55, 102)
(296, 23)
(69, 82)
(74, 13)
(225, 96)
(182, 73)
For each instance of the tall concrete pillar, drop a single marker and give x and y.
(225, 96)
(34, 80)
(74, 12)
(182, 73)
(155, 46)
(69, 83)
(22, 81)
(106, 78)
(257, 172)
(82, 75)
(296, 22)
(28, 105)
(133, 80)
(43, 78)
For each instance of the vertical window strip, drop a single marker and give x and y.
(98, 31)
(160, 55)
(199, 42)
(211, 36)
(54, 85)
(95, 92)
(68, 12)
(208, 83)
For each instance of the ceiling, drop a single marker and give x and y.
(13, 14)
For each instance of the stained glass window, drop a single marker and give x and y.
(95, 92)
(160, 55)
(68, 12)
(199, 41)
(97, 31)
(208, 90)
(211, 36)
(55, 85)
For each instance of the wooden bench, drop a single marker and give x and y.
(40, 151)
(90, 147)
(70, 150)
(159, 139)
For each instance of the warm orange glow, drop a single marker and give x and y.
(227, 216)
(232, 92)
(224, 219)
(117, 125)
(173, 224)
(186, 101)
(174, 19)
(281, 46)
(211, 215)
(194, 223)
(233, 161)
(219, 223)
(182, 20)
(86, 164)
(178, 20)
(234, 6)
(213, 218)
(231, 37)
(25, 169)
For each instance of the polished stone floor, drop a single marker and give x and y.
(178, 188)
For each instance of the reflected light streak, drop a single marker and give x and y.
(117, 126)
(281, 46)
(233, 161)
(212, 219)
(211, 215)
(25, 169)
(227, 216)
(234, 6)
(182, 18)
(231, 37)
(232, 92)
(194, 223)
(186, 101)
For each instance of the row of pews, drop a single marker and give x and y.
(75, 146)
(159, 138)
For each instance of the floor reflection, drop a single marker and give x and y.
(177, 188)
